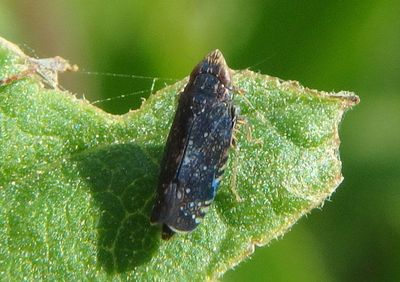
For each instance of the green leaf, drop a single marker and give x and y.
(77, 184)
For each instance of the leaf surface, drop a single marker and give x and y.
(77, 184)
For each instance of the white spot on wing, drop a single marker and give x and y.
(186, 160)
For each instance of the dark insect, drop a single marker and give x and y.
(197, 148)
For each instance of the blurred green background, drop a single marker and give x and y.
(327, 45)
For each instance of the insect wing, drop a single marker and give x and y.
(205, 154)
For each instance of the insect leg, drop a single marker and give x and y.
(18, 76)
(233, 184)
